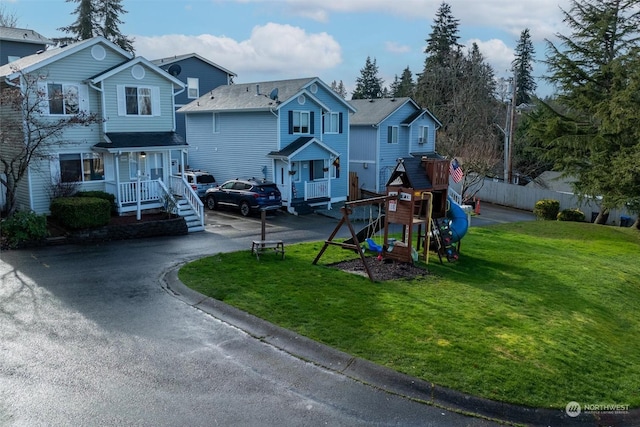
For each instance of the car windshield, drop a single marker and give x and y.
(206, 179)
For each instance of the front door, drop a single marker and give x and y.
(283, 179)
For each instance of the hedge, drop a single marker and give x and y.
(547, 209)
(81, 212)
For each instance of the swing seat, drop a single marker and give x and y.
(373, 246)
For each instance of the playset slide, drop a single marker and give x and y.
(458, 221)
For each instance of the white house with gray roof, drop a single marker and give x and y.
(293, 132)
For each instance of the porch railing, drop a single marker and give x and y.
(179, 186)
(316, 189)
(149, 192)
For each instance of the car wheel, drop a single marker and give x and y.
(211, 203)
(245, 209)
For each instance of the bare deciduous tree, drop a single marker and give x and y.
(27, 135)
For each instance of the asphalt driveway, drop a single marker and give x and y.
(89, 336)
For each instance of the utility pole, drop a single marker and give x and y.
(512, 117)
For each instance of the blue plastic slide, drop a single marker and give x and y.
(458, 221)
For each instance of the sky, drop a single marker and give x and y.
(262, 40)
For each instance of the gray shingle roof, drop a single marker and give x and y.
(374, 111)
(415, 176)
(177, 58)
(23, 35)
(132, 140)
(247, 96)
(28, 63)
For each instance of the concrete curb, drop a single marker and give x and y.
(384, 378)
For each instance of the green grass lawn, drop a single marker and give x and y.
(535, 313)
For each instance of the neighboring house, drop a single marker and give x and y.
(386, 129)
(199, 76)
(292, 132)
(128, 154)
(18, 42)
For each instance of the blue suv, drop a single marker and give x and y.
(245, 194)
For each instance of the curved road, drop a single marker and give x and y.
(88, 336)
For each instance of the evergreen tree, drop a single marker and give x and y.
(597, 76)
(368, 85)
(404, 86)
(86, 25)
(109, 12)
(522, 68)
(459, 90)
(339, 88)
(438, 82)
(443, 39)
(98, 18)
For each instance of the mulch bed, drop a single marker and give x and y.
(382, 270)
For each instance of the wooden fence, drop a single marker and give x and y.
(525, 197)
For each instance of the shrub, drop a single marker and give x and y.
(100, 195)
(571, 215)
(81, 212)
(24, 227)
(547, 209)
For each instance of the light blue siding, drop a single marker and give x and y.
(156, 123)
(239, 149)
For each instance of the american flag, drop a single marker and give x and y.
(455, 170)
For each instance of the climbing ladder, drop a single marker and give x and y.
(443, 240)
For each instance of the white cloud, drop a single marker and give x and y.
(542, 17)
(394, 47)
(272, 51)
(496, 53)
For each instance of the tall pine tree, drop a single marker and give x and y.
(403, 86)
(596, 75)
(368, 85)
(98, 18)
(109, 12)
(523, 68)
(86, 24)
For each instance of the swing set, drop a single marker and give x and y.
(399, 208)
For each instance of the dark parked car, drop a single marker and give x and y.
(245, 194)
(200, 181)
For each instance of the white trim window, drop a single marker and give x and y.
(332, 123)
(216, 122)
(301, 122)
(64, 99)
(193, 87)
(80, 167)
(424, 134)
(138, 100)
(392, 135)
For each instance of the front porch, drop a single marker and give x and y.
(147, 194)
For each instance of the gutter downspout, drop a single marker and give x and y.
(102, 104)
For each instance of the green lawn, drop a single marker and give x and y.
(535, 313)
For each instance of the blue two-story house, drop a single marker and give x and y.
(132, 151)
(199, 76)
(18, 42)
(387, 129)
(293, 132)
